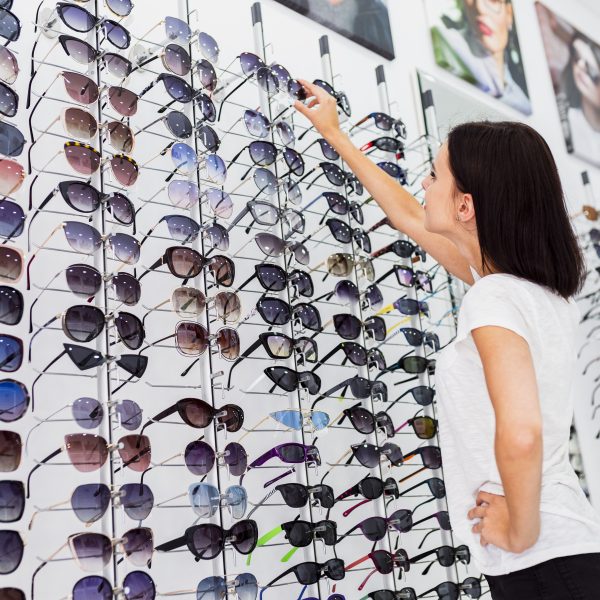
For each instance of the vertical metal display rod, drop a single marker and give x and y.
(587, 189)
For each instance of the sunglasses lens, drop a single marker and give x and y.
(182, 193)
(184, 158)
(83, 159)
(217, 237)
(334, 174)
(12, 501)
(12, 594)
(127, 288)
(87, 412)
(14, 400)
(138, 546)
(274, 311)
(138, 585)
(83, 358)
(188, 301)
(362, 420)
(228, 342)
(212, 588)
(298, 534)
(347, 292)
(236, 459)
(199, 457)
(340, 265)
(10, 451)
(9, 67)
(83, 323)
(296, 90)
(231, 417)
(130, 414)
(124, 169)
(207, 107)
(116, 65)
(278, 345)
(290, 418)
(135, 452)
(208, 46)
(83, 280)
(286, 134)
(177, 30)
(220, 203)
(11, 353)
(216, 171)
(120, 136)
(121, 208)
(246, 536)
(250, 63)
(294, 161)
(130, 330)
(256, 123)
(80, 51)
(267, 80)
(437, 487)
(123, 101)
(182, 228)
(307, 573)
(177, 60)
(137, 500)
(93, 550)
(116, 34)
(262, 153)
(270, 244)
(12, 173)
(8, 101)
(431, 457)
(204, 498)
(90, 501)
(125, 247)
(11, 305)
(178, 124)
(12, 140)
(120, 7)
(87, 452)
(383, 121)
(374, 529)
(367, 455)
(292, 453)
(207, 541)
(308, 316)
(12, 550)
(207, 75)
(294, 495)
(11, 219)
(177, 88)
(425, 427)
(228, 307)
(271, 277)
(371, 488)
(402, 520)
(223, 270)
(75, 17)
(191, 338)
(237, 501)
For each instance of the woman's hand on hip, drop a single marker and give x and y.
(494, 524)
(320, 110)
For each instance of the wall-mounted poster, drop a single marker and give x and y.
(574, 63)
(477, 41)
(366, 22)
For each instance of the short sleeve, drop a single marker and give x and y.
(497, 300)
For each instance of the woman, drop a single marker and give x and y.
(494, 216)
(482, 48)
(581, 87)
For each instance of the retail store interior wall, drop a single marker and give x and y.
(292, 41)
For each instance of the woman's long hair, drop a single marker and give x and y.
(520, 210)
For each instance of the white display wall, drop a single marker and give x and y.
(283, 37)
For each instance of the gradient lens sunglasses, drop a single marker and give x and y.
(308, 573)
(364, 421)
(339, 205)
(207, 541)
(90, 501)
(384, 122)
(206, 499)
(350, 327)
(12, 174)
(217, 588)
(369, 455)
(89, 452)
(275, 278)
(297, 495)
(290, 380)
(376, 528)
(275, 311)
(136, 585)
(357, 354)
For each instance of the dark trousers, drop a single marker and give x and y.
(567, 578)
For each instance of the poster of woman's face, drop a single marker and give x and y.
(477, 41)
(574, 63)
(366, 22)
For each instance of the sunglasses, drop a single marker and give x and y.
(308, 573)
(369, 455)
(446, 556)
(376, 528)
(187, 263)
(360, 387)
(448, 590)
(328, 151)
(9, 101)
(207, 541)
(393, 170)
(84, 323)
(290, 380)
(349, 327)
(174, 58)
(424, 428)
(339, 205)
(259, 126)
(290, 453)
(296, 419)
(90, 501)
(89, 452)
(199, 414)
(430, 455)
(413, 365)
(216, 588)
(406, 277)
(302, 533)
(343, 233)
(200, 458)
(135, 585)
(265, 213)
(422, 395)
(385, 144)
(402, 248)
(297, 495)
(364, 421)
(341, 264)
(206, 499)
(275, 278)
(85, 198)
(408, 306)
(12, 220)
(358, 355)
(346, 292)
(273, 246)
(275, 311)
(384, 122)
(372, 488)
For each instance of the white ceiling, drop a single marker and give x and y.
(591, 5)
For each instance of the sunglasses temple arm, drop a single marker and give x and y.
(54, 360)
(161, 415)
(356, 563)
(149, 233)
(236, 157)
(37, 466)
(158, 263)
(410, 489)
(34, 142)
(364, 582)
(276, 479)
(347, 533)
(239, 217)
(39, 330)
(261, 503)
(30, 119)
(237, 87)
(289, 554)
(188, 369)
(144, 63)
(246, 353)
(263, 420)
(171, 545)
(280, 576)
(355, 506)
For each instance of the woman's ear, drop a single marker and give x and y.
(465, 209)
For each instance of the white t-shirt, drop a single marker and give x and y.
(569, 524)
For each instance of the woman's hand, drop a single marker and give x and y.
(320, 110)
(494, 524)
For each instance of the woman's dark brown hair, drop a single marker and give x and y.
(520, 210)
